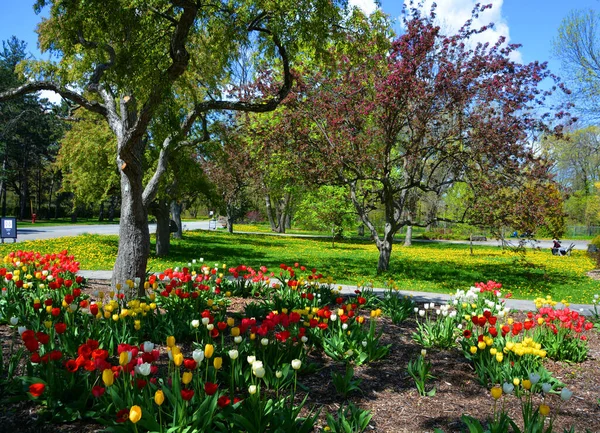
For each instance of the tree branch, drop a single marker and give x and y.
(36, 86)
(264, 106)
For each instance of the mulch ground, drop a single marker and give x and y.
(389, 392)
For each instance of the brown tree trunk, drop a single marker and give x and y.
(270, 213)
(385, 251)
(160, 210)
(176, 215)
(134, 236)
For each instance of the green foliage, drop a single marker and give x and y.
(419, 369)
(86, 159)
(398, 308)
(349, 419)
(345, 383)
(438, 331)
(328, 209)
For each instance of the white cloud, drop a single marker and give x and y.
(452, 14)
(367, 6)
(52, 97)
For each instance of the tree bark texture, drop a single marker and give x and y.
(176, 215)
(134, 235)
(160, 210)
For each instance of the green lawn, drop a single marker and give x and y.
(431, 267)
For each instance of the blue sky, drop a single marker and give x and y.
(531, 23)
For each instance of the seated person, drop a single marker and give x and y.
(556, 248)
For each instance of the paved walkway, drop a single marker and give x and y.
(438, 298)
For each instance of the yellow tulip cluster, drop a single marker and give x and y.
(548, 301)
(526, 347)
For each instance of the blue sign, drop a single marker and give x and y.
(8, 228)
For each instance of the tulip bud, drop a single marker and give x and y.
(252, 389)
(566, 394)
(209, 350)
(159, 397)
(186, 378)
(237, 340)
(198, 355)
(218, 362)
(135, 414)
(108, 377)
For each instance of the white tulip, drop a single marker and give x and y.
(534, 378)
(304, 339)
(252, 389)
(14, 320)
(195, 323)
(210, 326)
(238, 339)
(143, 369)
(198, 355)
(264, 341)
(205, 321)
(259, 372)
(296, 364)
(251, 359)
(546, 387)
(233, 354)
(21, 329)
(565, 394)
(508, 388)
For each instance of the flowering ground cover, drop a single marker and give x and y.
(229, 348)
(423, 267)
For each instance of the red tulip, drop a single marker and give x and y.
(187, 394)
(36, 389)
(210, 388)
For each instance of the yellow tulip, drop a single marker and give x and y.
(218, 362)
(473, 350)
(235, 331)
(135, 414)
(170, 341)
(496, 392)
(516, 381)
(108, 377)
(124, 358)
(187, 377)
(230, 321)
(544, 409)
(209, 349)
(526, 384)
(178, 359)
(159, 397)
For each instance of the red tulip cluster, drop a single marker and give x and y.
(564, 318)
(490, 286)
(55, 264)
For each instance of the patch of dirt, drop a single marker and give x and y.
(389, 392)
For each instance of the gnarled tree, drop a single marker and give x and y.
(129, 56)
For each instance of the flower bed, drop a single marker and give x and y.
(178, 356)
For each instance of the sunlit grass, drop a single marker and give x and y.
(433, 267)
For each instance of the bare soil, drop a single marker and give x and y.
(389, 392)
